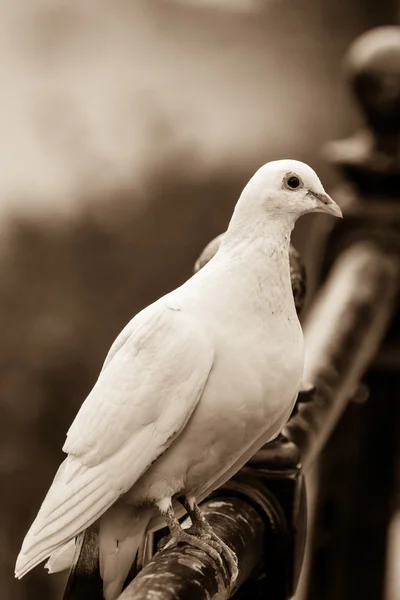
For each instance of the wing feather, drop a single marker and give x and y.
(148, 387)
(142, 400)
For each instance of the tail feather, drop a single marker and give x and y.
(62, 558)
(122, 530)
(28, 560)
(66, 511)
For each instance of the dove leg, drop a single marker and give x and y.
(201, 527)
(178, 534)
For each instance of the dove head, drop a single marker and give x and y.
(286, 189)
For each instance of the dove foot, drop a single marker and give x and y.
(201, 528)
(205, 545)
(198, 537)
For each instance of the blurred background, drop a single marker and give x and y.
(128, 130)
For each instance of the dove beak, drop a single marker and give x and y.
(326, 204)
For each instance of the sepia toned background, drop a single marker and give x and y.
(128, 129)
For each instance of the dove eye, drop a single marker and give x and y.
(292, 182)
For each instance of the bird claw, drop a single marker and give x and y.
(166, 542)
(199, 532)
(209, 543)
(201, 528)
(206, 532)
(229, 556)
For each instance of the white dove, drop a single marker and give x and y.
(193, 386)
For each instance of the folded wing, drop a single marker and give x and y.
(142, 400)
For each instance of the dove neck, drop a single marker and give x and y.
(252, 229)
(253, 265)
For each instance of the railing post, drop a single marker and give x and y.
(356, 471)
